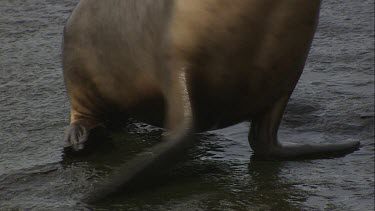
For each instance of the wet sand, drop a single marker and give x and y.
(333, 102)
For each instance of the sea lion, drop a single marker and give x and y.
(189, 66)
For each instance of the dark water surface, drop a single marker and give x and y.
(333, 102)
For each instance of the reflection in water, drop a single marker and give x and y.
(211, 177)
(203, 181)
(270, 189)
(334, 98)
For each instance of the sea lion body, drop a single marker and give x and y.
(189, 65)
(238, 62)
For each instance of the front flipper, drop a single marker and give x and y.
(143, 169)
(160, 158)
(289, 151)
(263, 140)
(82, 133)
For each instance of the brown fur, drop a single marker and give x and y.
(188, 65)
(121, 58)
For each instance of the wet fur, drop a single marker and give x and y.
(189, 66)
(116, 56)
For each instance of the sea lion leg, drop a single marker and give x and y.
(177, 139)
(78, 132)
(263, 139)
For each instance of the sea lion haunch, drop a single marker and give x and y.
(189, 65)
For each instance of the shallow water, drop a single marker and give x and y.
(333, 102)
